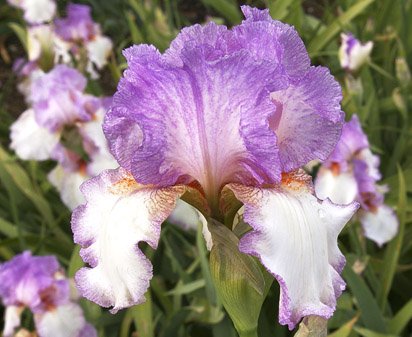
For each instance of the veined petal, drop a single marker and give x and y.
(295, 237)
(63, 321)
(308, 119)
(203, 120)
(380, 224)
(31, 141)
(118, 215)
(340, 188)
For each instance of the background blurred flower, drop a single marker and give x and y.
(351, 173)
(36, 282)
(352, 53)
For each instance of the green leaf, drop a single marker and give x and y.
(183, 289)
(76, 262)
(226, 8)
(143, 317)
(322, 39)
(279, 9)
(370, 312)
(369, 333)
(7, 228)
(21, 34)
(393, 251)
(345, 329)
(401, 319)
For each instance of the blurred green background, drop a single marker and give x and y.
(182, 300)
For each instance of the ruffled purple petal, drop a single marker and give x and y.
(58, 98)
(78, 25)
(308, 118)
(204, 120)
(23, 278)
(352, 140)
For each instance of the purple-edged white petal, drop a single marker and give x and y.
(352, 53)
(340, 188)
(31, 141)
(308, 118)
(203, 120)
(380, 224)
(11, 319)
(63, 321)
(118, 215)
(295, 237)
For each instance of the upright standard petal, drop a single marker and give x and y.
(24, 277)
(295, 237)
(58, 98)
(31, 141)
(352, 141)
(118, 215)
(308, 118)
(203, 121)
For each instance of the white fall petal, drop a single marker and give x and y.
(118, 215)
(295, 237)
(379, 225)
(11, 319)
(29, 140)
(68, 184)
(340, 188)
(63, 321)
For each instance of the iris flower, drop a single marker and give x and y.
(352, 53)
(351, 173)
(221, 110)
(36, 282)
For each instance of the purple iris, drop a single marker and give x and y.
(37, 283)
(352, 173)
(78, 25)
(221, 110)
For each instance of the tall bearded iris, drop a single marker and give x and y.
(221, 112)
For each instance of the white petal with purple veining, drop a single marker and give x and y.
(118, 215)
(295, 237)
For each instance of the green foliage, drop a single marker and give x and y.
(183, 300)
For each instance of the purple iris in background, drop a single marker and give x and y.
(36, 282)
(221, 110)
(351, 173)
